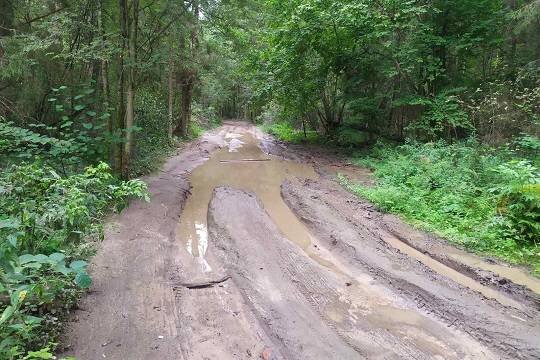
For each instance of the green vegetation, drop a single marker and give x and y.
(95, 92)
(482, 198)
(47, 224)
(285, 132)
(451, 87)
(92, 93)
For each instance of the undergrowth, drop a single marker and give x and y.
(153, 145)
(46, 223)
(485, 199)
(286, 132)
(54, 192)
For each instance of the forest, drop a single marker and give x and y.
(440, 99)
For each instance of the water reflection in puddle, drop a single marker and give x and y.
(242, 165)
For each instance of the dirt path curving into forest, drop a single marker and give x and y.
(250, 249)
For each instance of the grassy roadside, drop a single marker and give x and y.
(487, 200)
(48, 225)
(287, 133)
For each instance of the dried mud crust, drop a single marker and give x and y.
(353, 231)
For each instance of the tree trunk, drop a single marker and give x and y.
(104, 75)
(6, 20)
(130, 104)
(121, 113)
(187, 97)
(188, 72)
(6, 23)
(183, 80)
(171, 95)
(513, 45)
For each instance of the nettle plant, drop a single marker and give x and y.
(77, 134)
(518, 203)
(81, 125)
(44, 220)
(33, 288)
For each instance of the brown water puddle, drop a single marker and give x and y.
(242, 165)
(516, 275)
(450, 273)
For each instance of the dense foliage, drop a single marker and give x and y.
(46, 222)
(455, 81)
(94, 91)
(401, 69)
(90, 92)
(484, 200)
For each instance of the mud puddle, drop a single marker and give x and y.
(516, 275)
(242, 164)
(451, 273)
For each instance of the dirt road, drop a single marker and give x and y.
(251, 250)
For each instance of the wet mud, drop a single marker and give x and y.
(250, 247)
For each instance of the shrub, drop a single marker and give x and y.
(43, 219)
(483, 198)
(152, 141)
(518, 203)
(350, 137)
(285, 132)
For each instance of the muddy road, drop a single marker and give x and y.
(250, 249)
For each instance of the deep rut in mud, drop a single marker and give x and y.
(269, 257)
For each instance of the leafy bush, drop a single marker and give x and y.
(152, 142)
(77, 136)
(43, 219)
(484, 199)
(207, 117)
(285, 132)
(350, 137)
(34, 284)
(443, 117)
(518, 205)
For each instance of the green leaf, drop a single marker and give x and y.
(91, 113)
(9, 224)
(57, 257)
(41, 354)
(26, 258)
(87, 126)
(83, 280)
(29, 319)
(78, 265)
(79, 107)
(61, 268)
(12, 240)
(40, 258)
(6, 315)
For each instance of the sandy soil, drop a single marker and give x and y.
(264, 255)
